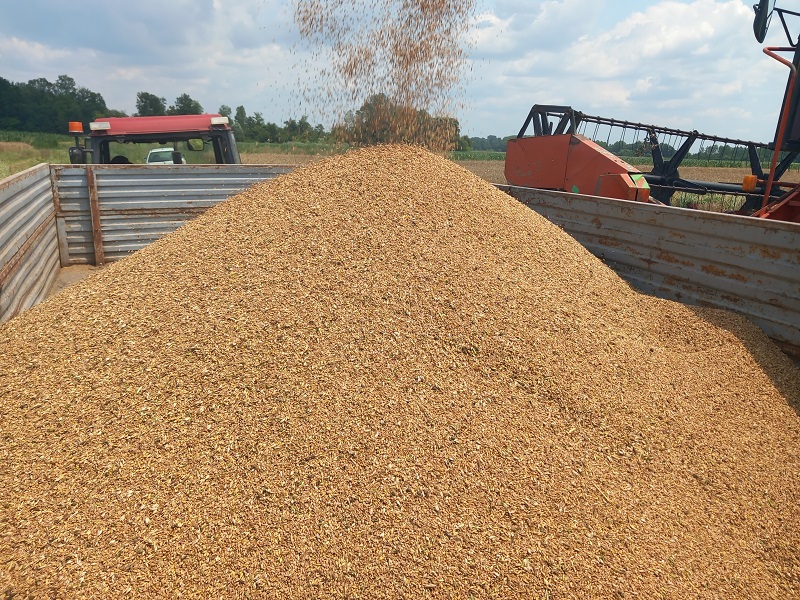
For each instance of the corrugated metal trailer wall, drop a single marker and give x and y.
(747, 265)
(106, 212)
(29, 260)
(102, 213)
(54, 216)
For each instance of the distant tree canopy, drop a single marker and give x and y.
(185, 105)
(150, 105)
(381, 121)
(225, 111)
(42, 106)
(490, 143)
(254, 128)
(378, 121)
(707, 151)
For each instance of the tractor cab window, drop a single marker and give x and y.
(193, 152)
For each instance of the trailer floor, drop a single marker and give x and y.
(68, 276)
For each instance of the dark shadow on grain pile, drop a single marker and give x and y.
(781, 368)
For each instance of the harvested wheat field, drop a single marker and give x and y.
(15, 147)
(378, 376)
(271, 158)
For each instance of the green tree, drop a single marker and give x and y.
(150, 105)
(40, 105)
(240, 123)
(41, 85)
(185, 105)
(271, 133)
(381, 121)
(10, 101)
(256, 127)
(64, 86)
(298, 130)
(491, 142)
(225, 111)
(92, 105)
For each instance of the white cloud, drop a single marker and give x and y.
(31, 52)
(688, 64)
(694, 61)
(488, 36)
(644, 84)
(127, 74)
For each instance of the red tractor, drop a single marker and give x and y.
(209, 135)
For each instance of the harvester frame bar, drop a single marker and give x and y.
(664, 176)
(571, 119)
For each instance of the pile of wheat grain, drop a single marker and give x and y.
(378, 376)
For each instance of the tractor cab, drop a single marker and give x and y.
(191, 139)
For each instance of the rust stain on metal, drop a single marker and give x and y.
(731, 299)
(152, 212)
(607, 241)
(677, 234)
(94, 208)
(11, 179)
(54, 177)
(11, 266)
(671, 258)
(63, 242)
(766, 252)
(714, 270)
(597, 222)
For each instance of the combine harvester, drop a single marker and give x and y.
(742, 252)
(568, 151)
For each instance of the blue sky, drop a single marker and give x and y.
(690, 64)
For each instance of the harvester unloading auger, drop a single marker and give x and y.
(573, 151)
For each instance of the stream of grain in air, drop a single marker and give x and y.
(403, 57)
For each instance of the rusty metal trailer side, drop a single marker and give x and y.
(29, 260)
(744, 264)
(106, 212)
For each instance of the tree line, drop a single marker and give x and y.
(706, 152)
(632, 150)
(43, 106)
(379, 120)
(490, 143)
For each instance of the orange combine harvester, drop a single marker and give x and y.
(572, 151)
